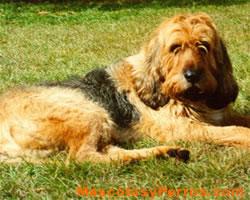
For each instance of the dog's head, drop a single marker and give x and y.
(187, 60)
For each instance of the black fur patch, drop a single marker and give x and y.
(98, 86)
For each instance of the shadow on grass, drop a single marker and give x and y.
(107, 5)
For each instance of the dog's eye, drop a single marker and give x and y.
(203, 48)
(174, 48)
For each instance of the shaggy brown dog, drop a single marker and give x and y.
(178, 87)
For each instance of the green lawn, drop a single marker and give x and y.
(43, 42)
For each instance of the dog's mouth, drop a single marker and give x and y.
(193, 93)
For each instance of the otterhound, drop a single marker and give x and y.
(178, 87)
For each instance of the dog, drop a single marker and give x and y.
(178, 87)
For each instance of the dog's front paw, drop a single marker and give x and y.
(180, 154)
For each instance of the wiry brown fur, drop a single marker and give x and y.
(40, 120)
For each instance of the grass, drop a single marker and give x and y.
(50, 41)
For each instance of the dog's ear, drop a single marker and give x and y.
(149, 78)
(227, 89)
(151, 95)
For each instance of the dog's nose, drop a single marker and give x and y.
(192, 76)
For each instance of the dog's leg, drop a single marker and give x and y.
(191, 131)
(116, 154)
(228, 135)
